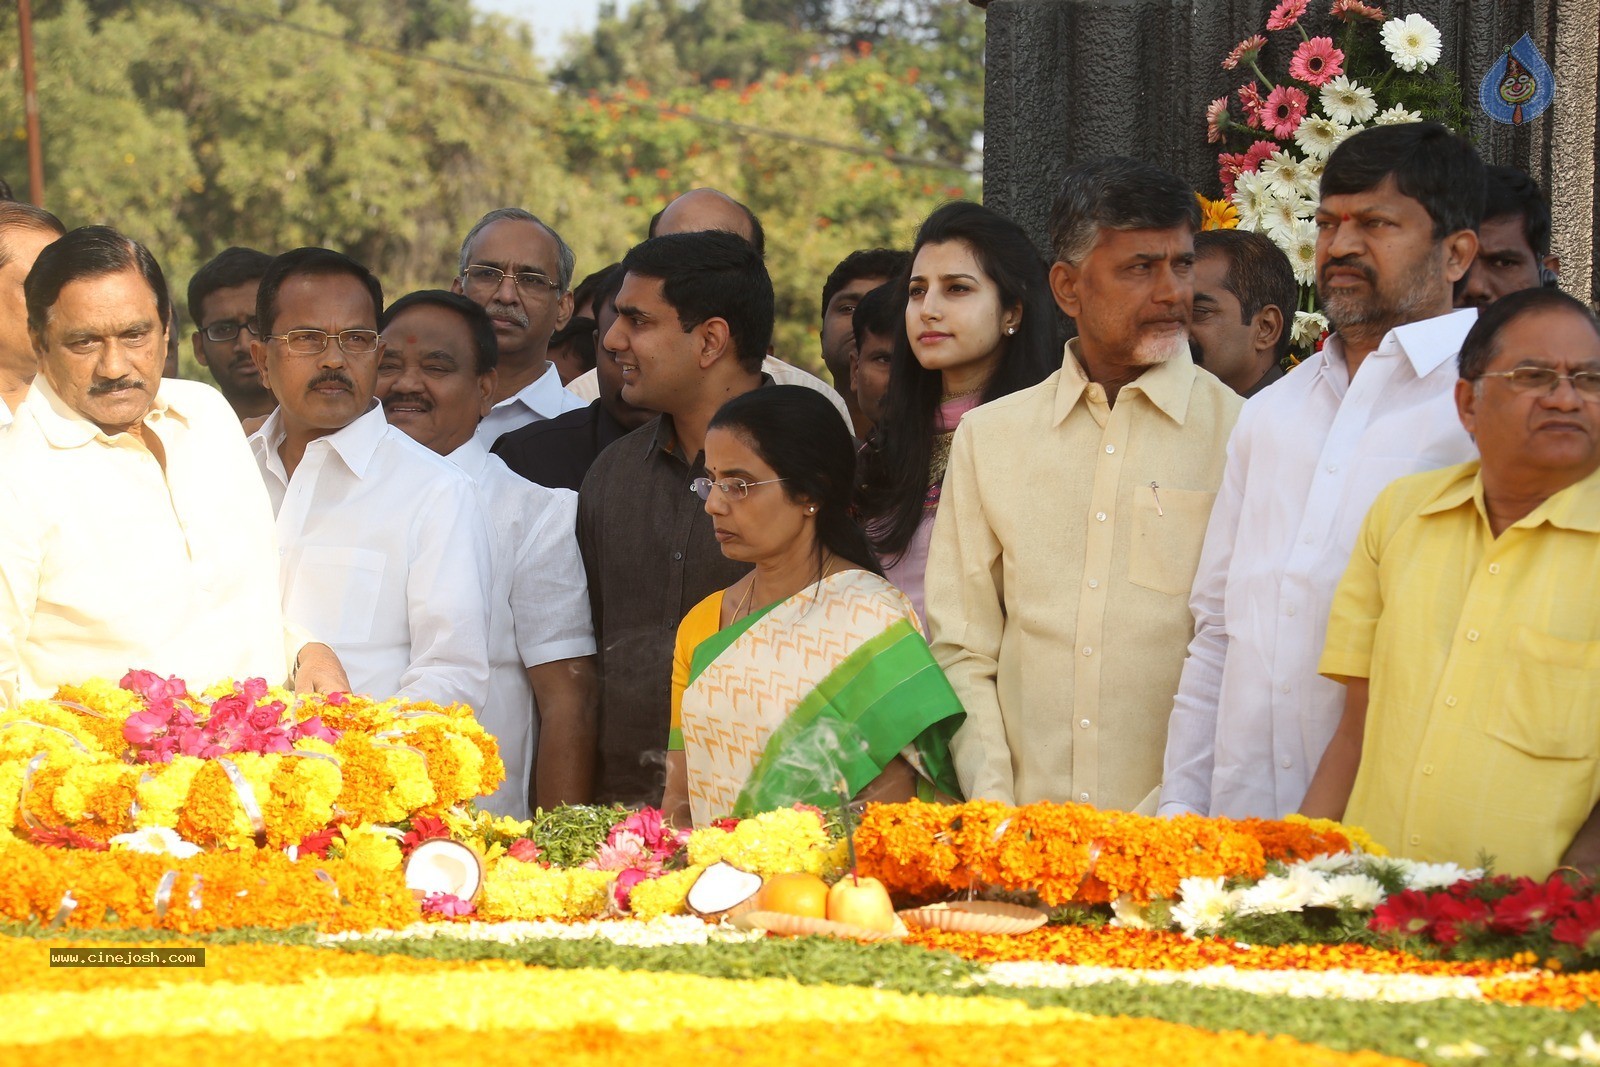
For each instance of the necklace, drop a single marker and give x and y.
(739, 611)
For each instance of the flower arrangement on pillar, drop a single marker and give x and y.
(1369, 69)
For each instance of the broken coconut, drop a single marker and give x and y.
(440, 865)
(722, 889)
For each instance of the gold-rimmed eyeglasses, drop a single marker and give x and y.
(482, 278)
(1542, 381)
(315, 342)
(733, 488)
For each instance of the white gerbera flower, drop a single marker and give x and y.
(157, 841)
(1252, 195)
(1308, 325)
(1318, 137)
(1290, 176)
(1282, 214)
(1203, 905)
(1274, 895)
(1128, 914)
(1300, 245)
(1347, 102)
(1436, 875)
(1412, 42)
(1395, 116)
(1350, 891)
(1330, 862)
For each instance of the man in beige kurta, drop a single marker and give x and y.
(1073, 513)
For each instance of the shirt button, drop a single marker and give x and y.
(1083, 797)
(1100, 516)
(677, 555)
(1094, 583)
(1449, 702)
(1472, 635)
(1286, 687)
(1310, 538)
(1494, 568)
(1427, 768)
(1416, 839)
(1333, 468)
(1083, 724)
(1286, 764)
(1110, 449)
(1289, 610)
(1087, 651)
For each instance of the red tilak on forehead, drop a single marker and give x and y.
(1345, 218)
(411, 339)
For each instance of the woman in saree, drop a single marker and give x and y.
(810, 674)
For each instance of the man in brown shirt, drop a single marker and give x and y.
(694, 319)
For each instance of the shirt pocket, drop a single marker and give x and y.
(1549, 705)
(334, 594)
(1169, 528)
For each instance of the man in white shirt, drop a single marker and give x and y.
(385, 549)
(1308, 457)
(24, 230)
(435, 380)
(519, 270)
(134, 532)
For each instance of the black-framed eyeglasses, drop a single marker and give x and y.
(733, 488)
(482, 278)
(1542, 381)
(315, 342)
(227, 331)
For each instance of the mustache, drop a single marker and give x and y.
(1350, 263)
(333, 376)
(125, 382)
(496, 310)
(394, 399)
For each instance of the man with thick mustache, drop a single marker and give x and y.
(385, 549)
(1395, 231)
(519, 270)
(1073, 513)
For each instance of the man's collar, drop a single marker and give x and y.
(1167, 385)
(356, 443)
(1425, 343)
(1577, 507)
(471, 457)
(542, 396)
(65, 427)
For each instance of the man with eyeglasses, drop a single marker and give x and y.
(385, 549)
(519, 270)
(693, 319)
(134, 532)
(1466, 630)
(222, 303)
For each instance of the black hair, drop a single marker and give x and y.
(1478, 348)
(314, 261)
(15, 215)
(1512, 192)
(585, 290)
(888, 263)
(758, 236)
(606, 290)
(712, 274)
(485, 349)
(1431, 165)
(877, 313)
(230, 267)
(799, 435)
(1116, 193)
(1259, 275)
(577, 336)
(896, 468)
(89, 252)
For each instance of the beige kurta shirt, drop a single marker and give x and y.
(1058, 579)
(110, 560)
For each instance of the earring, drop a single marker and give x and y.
(1011, 331)
(812, 510)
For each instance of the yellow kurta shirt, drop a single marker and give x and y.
(1483, 654)
(1058, 579)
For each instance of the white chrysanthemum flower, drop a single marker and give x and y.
(1203, 905)
(1436, 875)
(157, 841)
(1318, 137)
(1252, 195)
(1347, 102)
(1331, 862)
(1308, 326)
(1396, 116)
(1350, 891)
(1274, 895)
(1413, 42)
(1300, 245)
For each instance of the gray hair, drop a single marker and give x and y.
(566, 259)
(1116, 193)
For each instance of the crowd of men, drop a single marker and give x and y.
(1157, 580)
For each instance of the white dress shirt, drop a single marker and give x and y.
(6, 417)
(586, 386)
(540, 611)
(1307, 459)
(385, 557)
(111, 560)
(542, 398)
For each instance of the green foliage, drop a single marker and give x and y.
(571, 836)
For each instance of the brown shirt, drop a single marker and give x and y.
(650, 555)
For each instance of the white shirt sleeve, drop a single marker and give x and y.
(20, 561)
(1192, 729)
(549, 590)
(448, 586)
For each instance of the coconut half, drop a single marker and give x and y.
(440, 865)
(720, 889)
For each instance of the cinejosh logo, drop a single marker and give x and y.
(127, 957)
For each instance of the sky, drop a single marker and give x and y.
(551, 19)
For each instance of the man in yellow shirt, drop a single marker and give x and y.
(1073, 513)
(1467, 629)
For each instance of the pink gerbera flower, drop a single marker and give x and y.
(1258, 154)
(1229, 166)
(1216, 117)
(1316, 62)
(1250, 101)
(1283, 110)
(1350, 10)
(1286, 14)
(1245, 51)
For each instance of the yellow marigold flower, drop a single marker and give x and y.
(367, 846)
(662, 896)
(517, 890)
